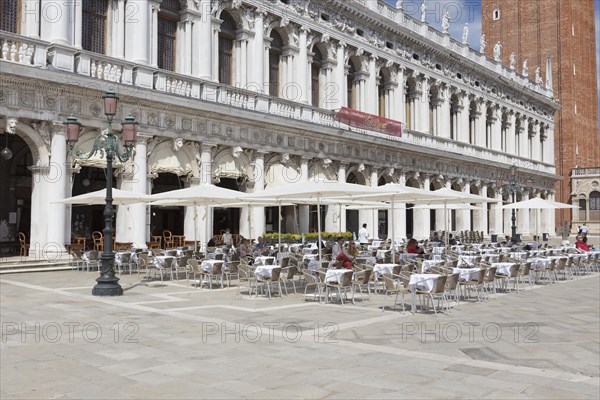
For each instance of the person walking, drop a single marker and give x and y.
(363, 235)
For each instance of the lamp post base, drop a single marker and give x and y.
(107, 288)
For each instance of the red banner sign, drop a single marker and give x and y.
(359, 119)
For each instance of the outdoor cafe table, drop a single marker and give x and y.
(264, 260)
(502, 267)
(467, 274)
(381, 254)
(518, 254)
(335, 275)
(208, 265)
(430, 263)
(466, 260)
(423, 282)
(380, 269)
(264, 271)
(159, 261)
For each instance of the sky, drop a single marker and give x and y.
(461, 11)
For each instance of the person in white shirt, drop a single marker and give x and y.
(227, 238)
(363, 235)
(584, 230)
(340, 254)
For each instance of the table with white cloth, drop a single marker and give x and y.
(310, 257)
(366, 259)
(335, 275)
(381, 254)
(466, 260)
(458, 248)
(118, 254)
(159, 261)
(437, 250)
(208, 265)
(314, 265)
(380, 269)
(518, 254)
(264, 271)
(282, 254)
(502, 268)
(423, 282)
(430, 263)
(376, 242)
(467, 274)
(264, 260)
(492, 258)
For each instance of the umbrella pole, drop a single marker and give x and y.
(279, 245)
(195, 228)
(319, 227)
(446, 223)
(393, 233)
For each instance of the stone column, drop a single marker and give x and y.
(463, 120)
(131, 219)
(422, 217)
(191, 227)
(523, 218)
(258, 213)
(400, 213)
(496, 129)
(204, 42)
(302, 66)
(39, 214)
(463, 217)
(480, 125)
(139, 32)
(443, 120)
(423, 107)
(496, 216)
(371, 103)
(205, 215)
(303, 211)
(340, 79)
(57, 178)
(257, 82)
(398, 112)
(480, 217)
(524, 139)
(32, 20)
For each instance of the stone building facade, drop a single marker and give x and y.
(562, 30)
(243, 94)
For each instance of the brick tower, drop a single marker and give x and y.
(564, 31)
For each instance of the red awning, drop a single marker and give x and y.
(359, 119)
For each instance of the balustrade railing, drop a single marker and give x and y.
(22, 50)
(104, 68)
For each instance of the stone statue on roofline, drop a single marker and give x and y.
(445, 23)
(497, 51)
(525, 69)
(423, 11)
(513, 60)
(465, 37)
(482, 43)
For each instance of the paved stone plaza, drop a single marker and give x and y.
(166, 340)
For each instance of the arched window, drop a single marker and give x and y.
(489, 122)
(226, 38)
(274, 62)
(595, 201)
(433, 104)
(93, 34)
(504, 133)
(315, 76)
(9, 15)
(351, 100)
(167, 33)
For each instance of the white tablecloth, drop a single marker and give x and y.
(518, 254)
(207, 265)
(264, 271)
(380, 269)
(314, 265)
(264, 260)
(160, 260)
(430, 263)
(381, 254)
(366, 259)
(467, 274)
(502, 268)
(335, 275)
(424, 282)
(466, 260)
(310, 257)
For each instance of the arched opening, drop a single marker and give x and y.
(10, 16)
(227, 218)
(15, 193)
(226, 39)
(489, 122)
(315, 76)
(86, 219)
(411, 182)
(594, 206)
(455, 186)
(410, 101)
(434, 103)
(382, 215)
(274, 63)
(504, 133)
(382, 82)
(93, 25)
(168, 17)
(352, 216)
(169, 217)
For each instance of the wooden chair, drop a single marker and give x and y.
(168, 239)
(98, 239)
(23, 244)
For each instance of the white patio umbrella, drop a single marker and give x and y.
(120, 198)
(537, 203)
(395, 193)
(203, 195)
(312, 192)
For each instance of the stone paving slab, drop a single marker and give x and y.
(166, 340)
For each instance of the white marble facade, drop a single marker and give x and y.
(262, 110)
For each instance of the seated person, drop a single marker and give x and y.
(353, 249)
(451, 240)
(581, 245)
(260, 244)
(329, 243)
(413, 247)
(244, 248)
(435, 238)
(338, 253)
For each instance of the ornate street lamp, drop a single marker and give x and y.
(106, 145)
(513, 188)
